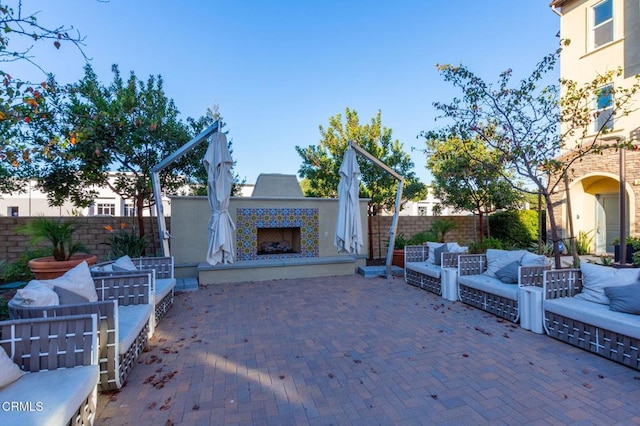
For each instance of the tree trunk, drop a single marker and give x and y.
(554, 231)
(140, 215)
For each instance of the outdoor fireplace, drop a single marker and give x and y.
(277, 233)
(278, 240)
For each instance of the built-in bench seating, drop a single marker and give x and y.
(491, 281)
(585, 308)
(163, 278)
(426, 272)
(122, 304)
(60, 358)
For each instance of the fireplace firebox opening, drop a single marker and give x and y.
(278, 240)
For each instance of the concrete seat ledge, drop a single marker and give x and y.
(273, 263)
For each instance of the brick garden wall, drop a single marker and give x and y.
(465, 232)
(92, 234)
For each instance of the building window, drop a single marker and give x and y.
(602, 23)
(603, 109)
(12, 211)
(106, 209)
(129, 209)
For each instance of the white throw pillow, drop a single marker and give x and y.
(77, 280)
(432, 251)
(106, 268)
(457, 248)
(596, 277)
(124, 263)
(9, 371)
(532, 259)
(498, 259)
(36, 294)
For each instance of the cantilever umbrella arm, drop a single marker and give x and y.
(396, 210)
(155, 180)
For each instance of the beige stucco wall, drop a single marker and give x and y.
(582, 64)
(190, 217)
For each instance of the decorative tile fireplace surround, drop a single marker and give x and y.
(280, 222)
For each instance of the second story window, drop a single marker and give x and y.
(602, 23)
(603, 109)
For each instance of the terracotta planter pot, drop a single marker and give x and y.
(398, 258)
(46, 268)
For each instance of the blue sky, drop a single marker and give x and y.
(279, 69)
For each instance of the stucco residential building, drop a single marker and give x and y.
(604, 35)
(33, 202)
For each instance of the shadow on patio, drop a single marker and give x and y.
(354, 350)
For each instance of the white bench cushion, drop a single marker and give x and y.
(164, 287)
(428, 269)
(61, 392)
(131, 320)
(595, 314)
(490, 285)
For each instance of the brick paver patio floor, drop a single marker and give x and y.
(362, 351)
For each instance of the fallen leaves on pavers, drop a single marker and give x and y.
(357, 361)
(587, 385)
(160, 382)
(195, 407)
(153, 359)
(111, 394)
(434, 396)
(166, 404)
(483, 331)
(505, 335)
(152, 405)
(330, 375)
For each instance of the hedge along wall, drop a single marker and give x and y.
(466, 230)
(92, 234)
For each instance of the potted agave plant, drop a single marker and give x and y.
(65, 253)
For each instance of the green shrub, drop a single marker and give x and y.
(584, 242)
(479, 247)
(515, 228)
(546, 249)
(19, 270)
(400, 242)
(441, 227)
(423, 237)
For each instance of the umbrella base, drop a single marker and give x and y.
(379, 271)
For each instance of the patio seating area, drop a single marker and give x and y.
(355, 350)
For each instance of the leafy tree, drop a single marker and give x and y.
(127, 127)
(15, 22)
(23, 105)
(538, 134)
(467, 175)
(321, 163)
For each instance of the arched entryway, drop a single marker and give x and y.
(596, 206)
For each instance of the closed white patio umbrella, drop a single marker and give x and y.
(218, 163)
(348, 236)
